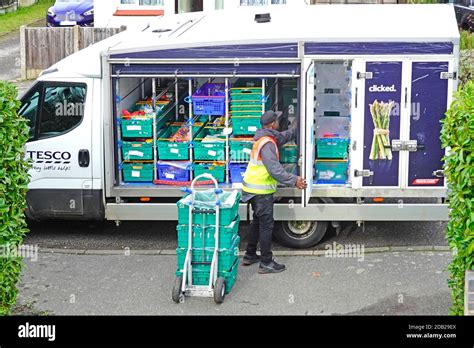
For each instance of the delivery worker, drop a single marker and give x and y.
(260, 183)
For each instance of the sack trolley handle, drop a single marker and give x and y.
(187, 271)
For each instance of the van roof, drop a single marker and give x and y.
(316, 23)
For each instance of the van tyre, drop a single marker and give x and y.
(177, 296)
(219, 290)
(300, 234)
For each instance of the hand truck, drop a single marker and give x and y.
(183, 285)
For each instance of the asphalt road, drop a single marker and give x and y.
(10, 56)
(390, 283)
(162, 235)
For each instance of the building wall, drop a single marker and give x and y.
(104, 11)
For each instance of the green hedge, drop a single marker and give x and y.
(458, 135)
(13, 186)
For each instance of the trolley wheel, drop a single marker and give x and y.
(177, 296)
(219, 290)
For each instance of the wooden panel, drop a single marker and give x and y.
(44, 47)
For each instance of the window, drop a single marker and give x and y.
(29, 110)
(261, 2)
(53, 109)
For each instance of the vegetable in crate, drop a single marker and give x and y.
(381, 116)
(128, 115)
(181, 135)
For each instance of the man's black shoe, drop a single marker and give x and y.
(251, 259)
(272, 267)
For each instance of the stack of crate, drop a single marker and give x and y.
(137, 144)
(203, 239)
(246, 105)
(209, 145)
(333, 111)
(175, 161)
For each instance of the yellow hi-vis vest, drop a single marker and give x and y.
(257, 179)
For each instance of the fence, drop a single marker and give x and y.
(8, 6)
(43, 47)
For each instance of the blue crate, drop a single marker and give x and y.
(237, 171)
(209, 100)
(174, 171)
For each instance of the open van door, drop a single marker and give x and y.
(307, 129)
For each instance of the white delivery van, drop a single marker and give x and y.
(366, 84)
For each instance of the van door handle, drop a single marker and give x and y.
(84, 158)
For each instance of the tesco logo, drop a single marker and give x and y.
(382, 88)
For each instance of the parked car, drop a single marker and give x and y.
(70, 13)
(465, 14)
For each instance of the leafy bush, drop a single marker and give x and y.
(467, 40)
(466, 67)
(458, 135)
(13, 186)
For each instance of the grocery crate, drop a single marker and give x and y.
(216, 169)
(332, 148)
(134, 150)
(228, 211)
(136, 172)
(138, 127)
(245, 125)
(207, 150)
(289, 153)
(237, 171)
(240, 149)
(333, 127)
(174, 171)
(209, 99)
(246, 113)
(246, 93)
(201, 275)
(246, 104)
(170, 150)
(216, 126)
(226, 256)
(205, 236)
(331, 172)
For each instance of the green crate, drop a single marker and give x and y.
(240, 149)
(289, 154)
(246, 104)
(209, 151)
(246, 94)
(138, 127)
(137, 151)
(226, 257)
(331, 172)
(227, 214)
(246, 111)
(204, 237)
(257, 113)
(137, 172)
(217, 170)
(245, 125)
(168, 150)
(201, 276)
(332, 148)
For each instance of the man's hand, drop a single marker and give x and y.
(301, 183)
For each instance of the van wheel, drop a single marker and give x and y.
(300, 234)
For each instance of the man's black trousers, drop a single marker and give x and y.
(261, 229)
